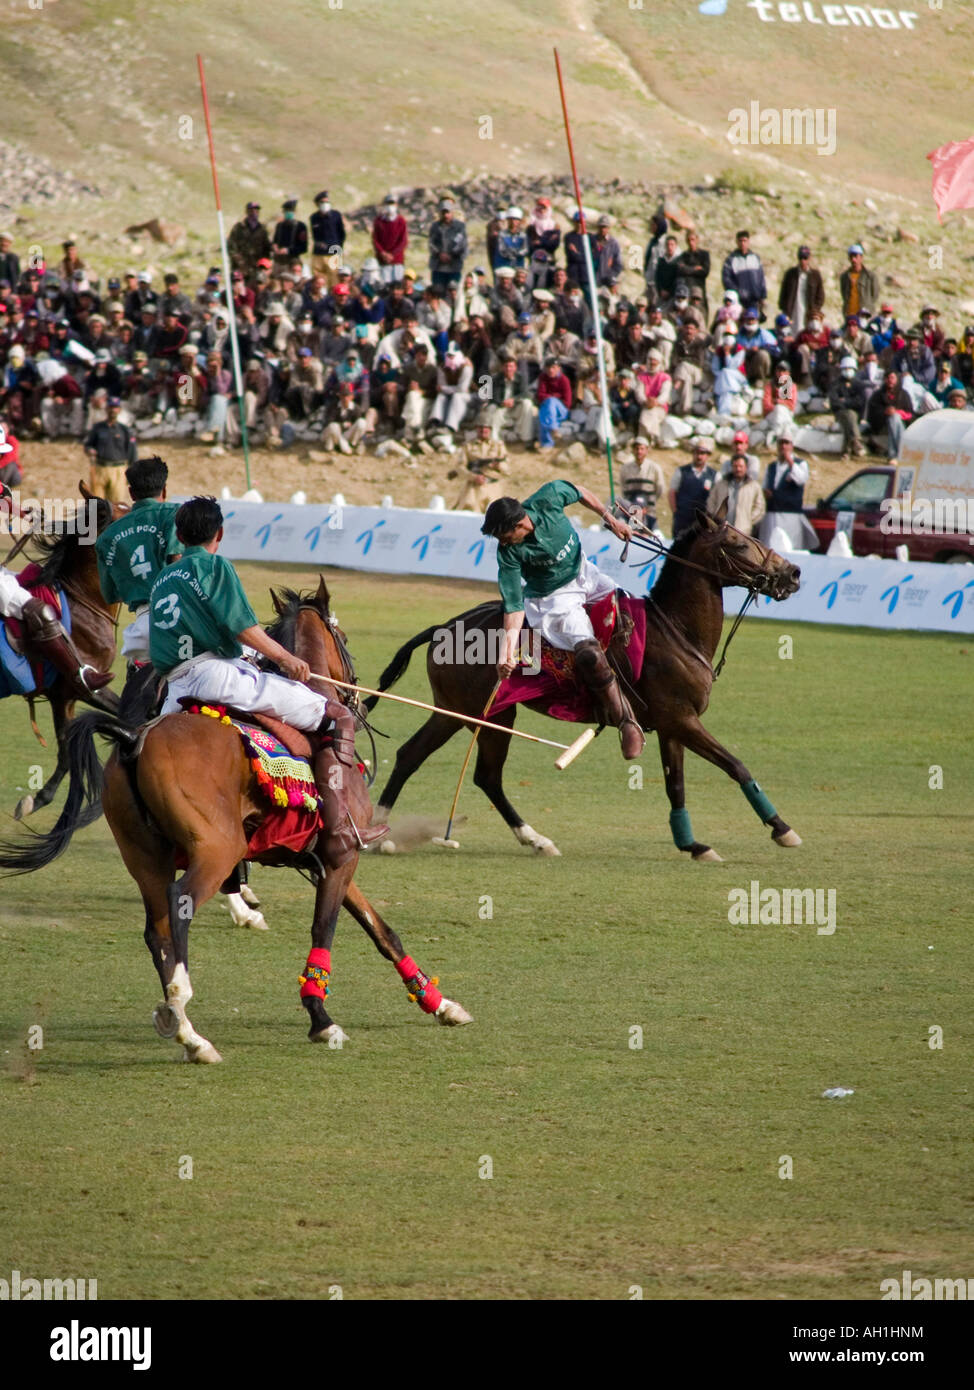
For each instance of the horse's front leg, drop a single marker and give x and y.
(422, 989)
(671, 754)
(314, 978)
(696, 738)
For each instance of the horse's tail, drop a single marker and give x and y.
(83, 802)
(397, 666)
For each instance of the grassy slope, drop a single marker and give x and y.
(611, 1166)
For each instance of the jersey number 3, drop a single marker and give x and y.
(170, 608)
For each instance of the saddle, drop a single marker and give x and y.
(294, 740)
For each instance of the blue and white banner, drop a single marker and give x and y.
(397, 540)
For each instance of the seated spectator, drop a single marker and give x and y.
(524, 345)
(689, 359)
(570, 309)
(11, 469)
(888, 413)
(780, 402)
(847, 402)
(514, 410)
(727, 368)
(476, 345)
(484, 464)
(917, 360)
(654, 390)
(856, 340)
(946, 383)
(506, 304)
(566, 348)
(386, 390)
(743, 497)
(958, 400)
(219, 385)
(680, 311)
(659, 332)
(435, 314)
(962, 362)
(453, 381)
(883, 328)
(542, 314)
(624, 401)
(805, 350)
(350, 418)
(729, 312)
(554, 397)
(419, 380)
(256, 396)
(760, 348)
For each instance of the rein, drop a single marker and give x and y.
(352, 701)
(111, 612)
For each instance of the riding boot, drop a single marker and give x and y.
(336, 763)
(594, 671)
(45, 638)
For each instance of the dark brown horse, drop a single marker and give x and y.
(69, 565)
(684, 618)
(190, 787)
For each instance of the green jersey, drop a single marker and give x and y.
(550, 556)
(133, 549)
(197, 605)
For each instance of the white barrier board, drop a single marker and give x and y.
(398, 540)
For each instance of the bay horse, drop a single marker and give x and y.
(684, 619)
(184, 782)
(68, 564)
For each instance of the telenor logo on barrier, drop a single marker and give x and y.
(957, 598)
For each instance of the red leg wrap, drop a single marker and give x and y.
(314, 981)
(421, 988)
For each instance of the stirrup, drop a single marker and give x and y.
(104, 677)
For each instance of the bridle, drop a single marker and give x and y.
(350, 699)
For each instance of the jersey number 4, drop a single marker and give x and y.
(170, 607)
(141, 567)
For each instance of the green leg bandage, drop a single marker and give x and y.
(758, 800)
(680, 828)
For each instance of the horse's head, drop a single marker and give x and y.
(737, 559)
(307, 627)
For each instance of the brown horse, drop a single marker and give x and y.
(684, 619)
(70, 565)
(190, 787)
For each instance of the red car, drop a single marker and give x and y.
(862, 495)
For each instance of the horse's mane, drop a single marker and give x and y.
(58, 549)
(672, 572)
(289, 603)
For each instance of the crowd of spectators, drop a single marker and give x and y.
(355, 357)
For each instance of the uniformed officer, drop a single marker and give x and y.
(485, 461)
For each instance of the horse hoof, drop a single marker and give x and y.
(243, 916)
(334, 1035)
(24, 807)
(249, 896)
(387, 846)
(166, 1020)
(451, 1014)
(202, 1051)
(445, 844)
(789, 840)
(547, 848)
(708, 856)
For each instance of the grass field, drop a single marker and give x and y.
(613, 1166)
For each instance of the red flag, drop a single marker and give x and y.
(953, 176)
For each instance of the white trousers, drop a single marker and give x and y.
(135, 639)
(12, 595)
(560, 617)
(220, 681)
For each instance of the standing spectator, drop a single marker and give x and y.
(743, 272)
(448, 246)
(607, 254)
(71, 263)
(248, 243)
(802, 295)
(575, 263)
(9, 261)
(554, 401)
(654, 389)
(666, 271)
(390, 237)
(847, 402)
(544, 238)
(643, 483)
(691, 485)
(888, 413)
(512, 243)
(327, 239)
(290, 240)
(859, 287)
(110, 447)
(654, 249)
(139, 293)
(745, 500)
(784, 492)
(693, 267)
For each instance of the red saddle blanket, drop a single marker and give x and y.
(555, 683)
(27, 579)
(292, 818)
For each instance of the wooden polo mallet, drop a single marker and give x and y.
(444, 839)
(569, 751)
